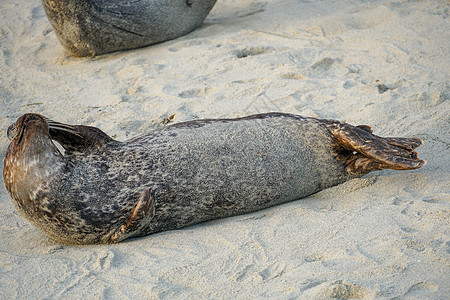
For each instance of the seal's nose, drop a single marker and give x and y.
(11, 132)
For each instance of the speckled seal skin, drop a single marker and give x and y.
(93, 27)
(104, 191)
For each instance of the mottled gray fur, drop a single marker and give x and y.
(92, 27)
(103, 190)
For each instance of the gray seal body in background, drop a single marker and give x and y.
(93, 27)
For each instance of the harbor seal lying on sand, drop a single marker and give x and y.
(93, 27)
(104, 191)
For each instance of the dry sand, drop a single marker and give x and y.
(381, 63)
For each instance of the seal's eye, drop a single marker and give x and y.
(11, 132)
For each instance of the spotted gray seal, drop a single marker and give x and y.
(103, 191)
(92, 27)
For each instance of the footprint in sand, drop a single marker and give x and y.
(37, 12)
(200, 92)
(7, 57)
(420, 290)
(325, 63)
(252, 51)
(293, 75)
(340, 289)
(224, 12)
(272, 271)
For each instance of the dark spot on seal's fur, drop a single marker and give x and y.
(104, 167)
(52, 207)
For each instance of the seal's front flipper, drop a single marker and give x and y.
(364, 152)
(78, 138)
(141, 216)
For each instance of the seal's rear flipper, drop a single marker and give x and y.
(78, 138)
(141, 216)
(364, 152)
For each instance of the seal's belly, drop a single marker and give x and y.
(221, 170)
(202, 172)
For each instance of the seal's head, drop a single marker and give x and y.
(30, 161)
(26, 127)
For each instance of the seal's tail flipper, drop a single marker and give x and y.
(78, 138)
(364, 152)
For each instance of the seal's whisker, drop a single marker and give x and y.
(57, 124)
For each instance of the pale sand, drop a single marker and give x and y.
(381, 63)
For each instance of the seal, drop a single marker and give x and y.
(93, 27)
(103, 191)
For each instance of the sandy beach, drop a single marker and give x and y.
(381, 63)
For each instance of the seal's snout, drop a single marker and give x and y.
(11, 132)
(23, 124)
